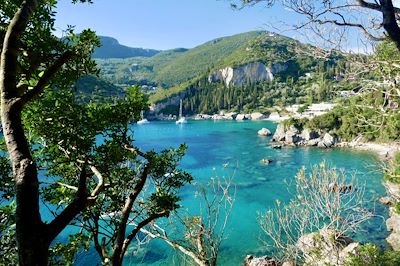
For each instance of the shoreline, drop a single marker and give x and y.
(384, 151)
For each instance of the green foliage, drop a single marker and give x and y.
(92, 89)
(200, 96)
(371, 255)
(392, 173)
(65, 253)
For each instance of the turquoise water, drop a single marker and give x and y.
(213, 144)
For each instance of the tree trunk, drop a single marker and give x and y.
(31, 238)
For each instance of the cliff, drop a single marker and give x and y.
(255, 71)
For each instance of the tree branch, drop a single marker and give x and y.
(118, 254)
(390, 22)
(74, 208)
(139, 226)
(47, 76)
(9, 53)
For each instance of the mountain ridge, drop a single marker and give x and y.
(111, 48)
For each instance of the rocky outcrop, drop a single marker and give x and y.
(265, 261)
(255, 71)
(240, 117)
(326, 247)
(257, 116)
(264, 132)
(393, 226)
(393, 222)
(292, 136)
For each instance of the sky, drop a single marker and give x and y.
(167, 24)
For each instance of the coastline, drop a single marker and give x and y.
(384, 151)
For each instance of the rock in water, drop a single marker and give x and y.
(264, 132)
(280, 133)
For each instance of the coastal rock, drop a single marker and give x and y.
(385, 200)
(280, 133)
(393, 190)
(241, 117)
(393, 226)
(257, 116)
(327, 141)
(231, 115)
(264, 132)
(326, 247)
(274, 116)
(308, 134)
(291, 136)
(261, 261)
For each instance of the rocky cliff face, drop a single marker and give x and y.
(255, 71)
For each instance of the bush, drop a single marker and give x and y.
(371, 255)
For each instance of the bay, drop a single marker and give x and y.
(226, 148)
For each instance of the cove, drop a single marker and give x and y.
(227, 147)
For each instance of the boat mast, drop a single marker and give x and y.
(180, 109)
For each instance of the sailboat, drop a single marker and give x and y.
(142, 120)
(181, 119)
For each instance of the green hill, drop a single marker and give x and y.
(172, 67)
(185, 72)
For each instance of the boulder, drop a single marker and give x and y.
(280, 133)
(291, 136)
(385, 200)
(261, 261)
(232, 115)
(313, 142)
(257, 116)
(274, 116)
(309, 134)
(327, 141)
(326, 247)
(264, 132)
(241, 117)
(393, 226)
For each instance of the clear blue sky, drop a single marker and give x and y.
(166, 24)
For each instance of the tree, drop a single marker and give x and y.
(31, 60)
(325, 199)
(376, 19)
(85, 151)
(199, 237)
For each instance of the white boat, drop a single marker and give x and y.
(143, 120)
(181, 119)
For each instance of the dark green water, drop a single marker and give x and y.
(213, 144)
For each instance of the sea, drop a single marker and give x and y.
(233, 149)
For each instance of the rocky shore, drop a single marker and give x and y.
(292, 136)
(289, 135)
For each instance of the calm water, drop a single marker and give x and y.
(213, 144)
